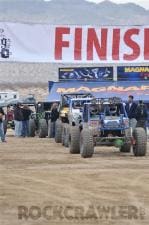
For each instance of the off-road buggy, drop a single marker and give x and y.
(105, 122)
(69, 113)
(38, 123)
(75, 114)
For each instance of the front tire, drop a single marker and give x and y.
(32, 128)
(140, 138)
(43, 128)
(74, 137)
(58, 131)
(86, 144)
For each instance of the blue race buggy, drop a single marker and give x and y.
(105, 122)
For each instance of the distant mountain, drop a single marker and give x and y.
(72, 12)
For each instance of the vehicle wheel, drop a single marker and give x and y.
(63, 134)
(140, 138)
(127, 145)
(43, 128)
(74, 140)
(66, 139)
(5, 126)
(58, 131)
(32, 128)
(86, 144)
(50, 129)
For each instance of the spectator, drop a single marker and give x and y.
(25, 123)
(18, 118)
(2, 135)
(9, 115)
(141, 115)
(54, 117)
(131, 111)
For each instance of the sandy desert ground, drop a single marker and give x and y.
(42, 184)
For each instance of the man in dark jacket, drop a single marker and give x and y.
(2, 135)
(54, 117)
(18, 118)
(141, 115)
(25, 123)
(131, 107)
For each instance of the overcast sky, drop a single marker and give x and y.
(144, 3)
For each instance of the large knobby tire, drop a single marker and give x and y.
(140, 146)
(66, 135)
(74, 140)
(43, 128)
(5, 126)
(127, 145)
(58, 131)
(50, 129)
(32, 128)
(86, 143)
(63, 134)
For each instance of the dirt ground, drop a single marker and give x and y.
(42, 184)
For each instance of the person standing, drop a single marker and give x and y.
(54, 117)
(9, 114)
(131, 107)
(18, 118)
(25, 123)
(2, 135)
(141, 115)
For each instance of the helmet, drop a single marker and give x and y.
(94, 110)
(113, 109)
(77, 104)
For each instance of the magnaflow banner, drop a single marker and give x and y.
(133, 73)
(73, 44)
(86, 74)
(140, 90)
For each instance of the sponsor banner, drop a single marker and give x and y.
(86, 74)
(73, 43)
(133, 73)
(140, 90)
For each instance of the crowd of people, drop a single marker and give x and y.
(21, 120)
(20, 114)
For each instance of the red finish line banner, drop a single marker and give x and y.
(74, 44)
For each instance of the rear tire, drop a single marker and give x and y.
(74, 140)
(140, 137)
(32, 128)
(58, 131)
(43, 128)
(86, 144)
